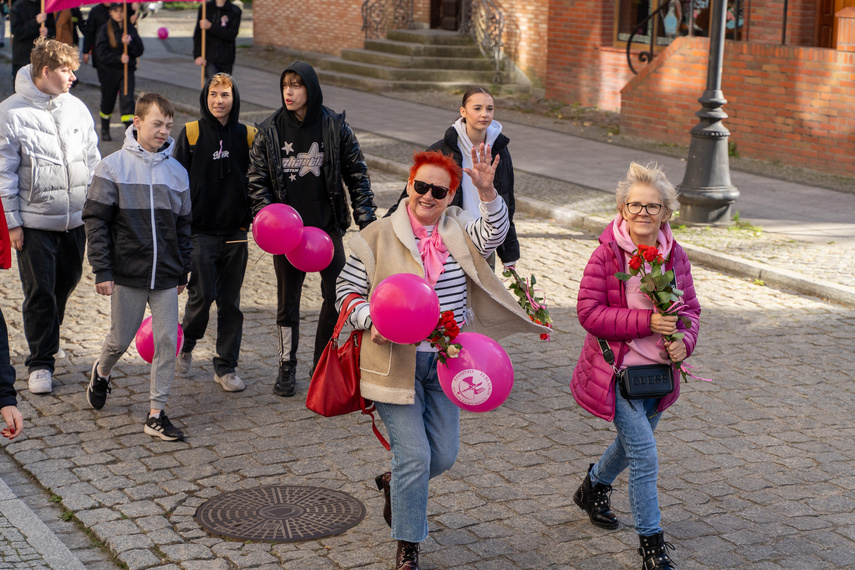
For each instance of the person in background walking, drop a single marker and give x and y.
(621, 314)
(137, 217)
(476, 126)
(215, 152)
(48, 155)
(109, 49)
(221, 25)
(25, 24)
(98, 16)
(304, 155)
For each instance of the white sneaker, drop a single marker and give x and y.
(230, 382)
(59, 354)
(183, 362)
(41, 382)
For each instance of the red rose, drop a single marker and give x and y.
(544, 336)
(650, 254)
(453, 332)
(635, 262)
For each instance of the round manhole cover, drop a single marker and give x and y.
(280, 513)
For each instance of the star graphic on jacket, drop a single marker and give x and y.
(311, 161)
(293, 177)
(288, 148)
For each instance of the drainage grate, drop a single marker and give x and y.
(280, 513)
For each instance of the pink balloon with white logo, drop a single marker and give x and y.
(145, 340)
(480, 379)
(314, 252)
(277, 228)
(404, 308)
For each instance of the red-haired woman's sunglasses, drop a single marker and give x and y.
(438, 192)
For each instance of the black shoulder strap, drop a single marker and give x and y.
(608, 355)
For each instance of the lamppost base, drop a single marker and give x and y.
(706, 206)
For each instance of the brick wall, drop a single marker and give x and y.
(792, 104)
(525, 37)
(766, 21)
(324, 26)
(582, 63)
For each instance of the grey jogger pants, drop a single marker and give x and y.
(127, 307)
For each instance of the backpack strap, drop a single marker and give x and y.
(192, 130)
(250, 135)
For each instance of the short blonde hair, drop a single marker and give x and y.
(223, 79)
(52, 54)
(649, 175)
(145, 102)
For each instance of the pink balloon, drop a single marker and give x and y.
(162, 33)
(145, 340)
(314, 252)
(481, 377)
(277, 228)
(404, 308)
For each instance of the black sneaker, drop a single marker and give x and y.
(161, 427)
(286, 381)
(99, 387)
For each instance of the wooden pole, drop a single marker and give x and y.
(124, 33)
(204, 17)
(42, 26)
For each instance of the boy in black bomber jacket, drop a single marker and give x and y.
(215, 152)
(137, 216)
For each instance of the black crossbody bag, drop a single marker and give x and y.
(640, 382)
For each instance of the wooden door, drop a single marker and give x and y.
(445, 14)
(826, 26)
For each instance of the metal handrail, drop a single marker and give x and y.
(485, 23)
(376, 16)
(645, 56)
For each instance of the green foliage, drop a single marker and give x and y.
(731, 149)
(67, 516)
(55, 499)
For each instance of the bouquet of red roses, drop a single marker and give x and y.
(534, 306)
(442, 337)
(661, 288)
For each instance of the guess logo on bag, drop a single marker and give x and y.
(650, 379)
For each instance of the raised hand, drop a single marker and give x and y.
(482, 172)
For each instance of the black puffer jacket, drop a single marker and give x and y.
(509, 251)
(342, 160)
(25, 29)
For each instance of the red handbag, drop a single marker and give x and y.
(334, 388)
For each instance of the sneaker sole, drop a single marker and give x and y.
(39, 390)
(283, 394)
(162, 436)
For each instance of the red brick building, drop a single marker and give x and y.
(791, 94)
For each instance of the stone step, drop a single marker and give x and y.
(422, 50)
(413, 62)
(397, 74)
(364, 83)
(437, 37)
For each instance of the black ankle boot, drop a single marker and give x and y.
(407, 557)
(286, 382)
(384, 482)
(654, 550)
(105, 129)
(594, 500)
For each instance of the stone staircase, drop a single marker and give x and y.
(412, 60)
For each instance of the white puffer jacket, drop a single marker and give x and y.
(48, 155)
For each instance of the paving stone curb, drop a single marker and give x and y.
(773, 276)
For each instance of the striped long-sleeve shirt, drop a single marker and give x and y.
(487, 233)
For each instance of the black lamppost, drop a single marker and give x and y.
(706, 194)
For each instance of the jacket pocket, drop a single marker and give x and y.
(40, 174)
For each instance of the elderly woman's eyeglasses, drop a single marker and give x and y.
(635, 208)
(438, 192)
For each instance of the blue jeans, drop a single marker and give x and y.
(425, 437)
(634, 447)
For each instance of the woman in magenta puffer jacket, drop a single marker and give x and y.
(619, 313)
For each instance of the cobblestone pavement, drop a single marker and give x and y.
(756, 467)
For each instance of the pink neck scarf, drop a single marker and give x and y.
(431, 248)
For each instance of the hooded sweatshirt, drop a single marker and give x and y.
(471, 199)
(217, 166)
(303, 153)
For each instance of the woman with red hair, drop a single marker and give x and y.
(447, 247)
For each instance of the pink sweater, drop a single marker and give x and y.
(604, 313)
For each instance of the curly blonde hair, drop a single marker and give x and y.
(52, 54)
(648, 175)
